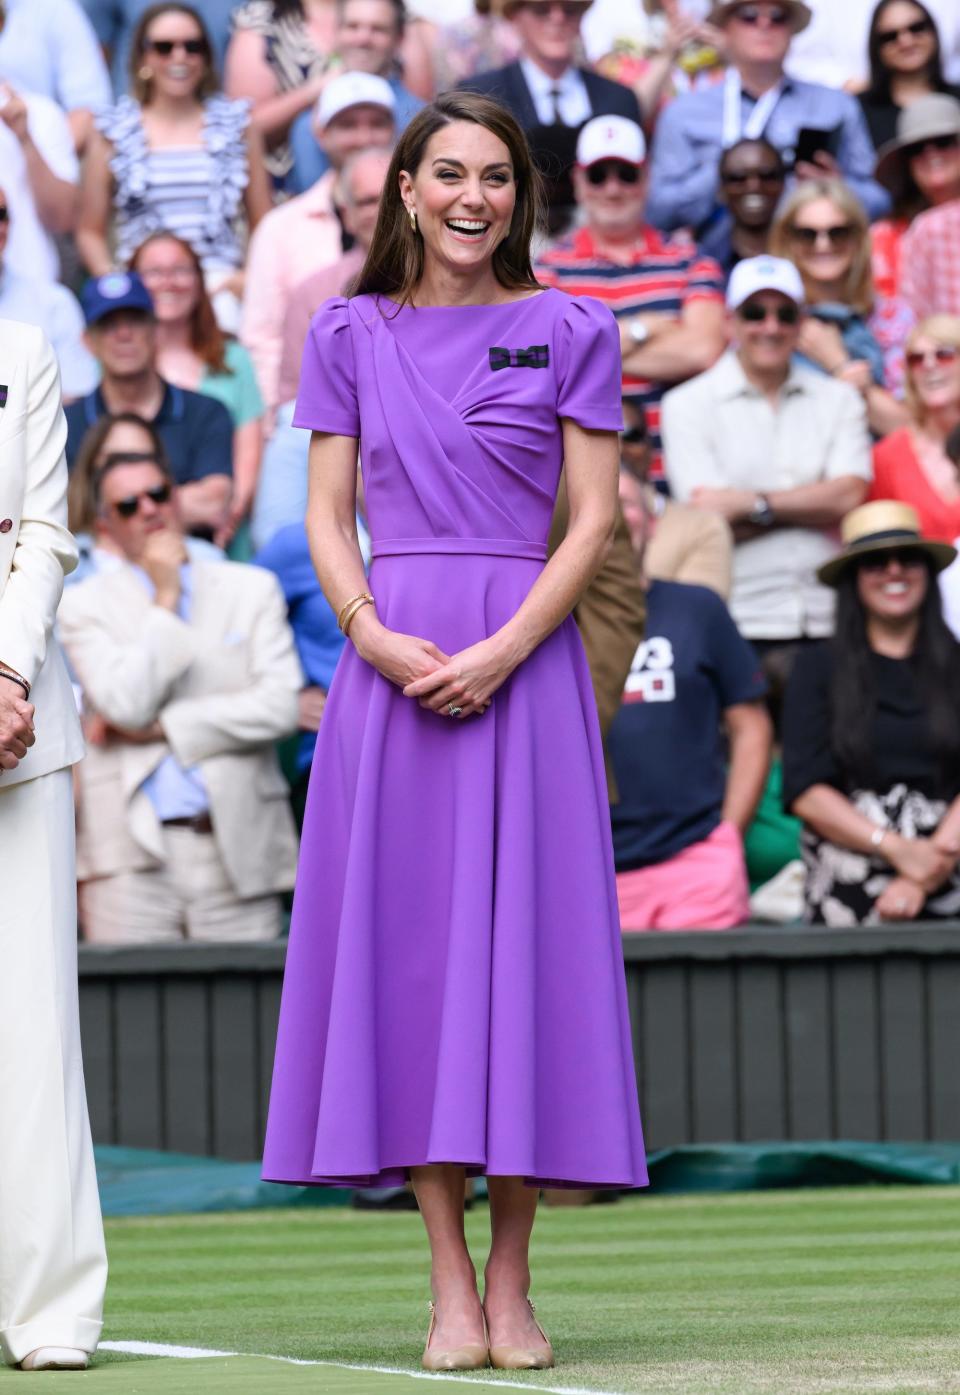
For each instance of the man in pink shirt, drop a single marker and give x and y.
(361, 181)
(305, 234)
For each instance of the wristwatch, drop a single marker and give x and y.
(762, 513)
(639, 332)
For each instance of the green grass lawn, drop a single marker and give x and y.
(854, 1290)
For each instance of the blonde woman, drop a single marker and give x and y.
(823, 229)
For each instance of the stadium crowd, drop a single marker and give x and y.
(766, 193)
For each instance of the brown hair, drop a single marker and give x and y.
(394, 263)
(858, 292)
(207, 339)
(943, 330)
(140, 87)
(83, 491)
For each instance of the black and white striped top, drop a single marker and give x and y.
(292, 55)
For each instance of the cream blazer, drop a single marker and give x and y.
(223, 687)
(36, 550)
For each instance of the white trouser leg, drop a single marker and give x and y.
(53, 1264)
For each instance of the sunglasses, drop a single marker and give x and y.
(890, 36)
(600, 172)
(838, 236)
(165, 47)
(904, 557)
(775, 16)
(944, 353)
(126, 508)
(933, 143)
(755, 314)
(570, 9)
(740, 180)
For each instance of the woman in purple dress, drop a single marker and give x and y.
(454, 1000)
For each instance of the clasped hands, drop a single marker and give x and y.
(467, 679)
(16, 725)
(922, 864)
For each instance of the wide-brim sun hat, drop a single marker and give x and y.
(885, 525)
(800, 14)
(937, 114)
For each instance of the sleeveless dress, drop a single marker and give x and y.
(454, 987)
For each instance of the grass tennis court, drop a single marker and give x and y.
(853, 1290)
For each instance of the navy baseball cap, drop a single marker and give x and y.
(118, 290)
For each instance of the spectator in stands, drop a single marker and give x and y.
(871, 744)
(821, 227)
(115, 22)
(834, 50)
(193, 352)
(196, 431)
(369, 38)
(913, 465)
(780, 451)
(674, 541)
(189, 677)
(756, 99)
(678, 826)
(905, 65)
(752, 178)
(40, 176)
(360, 186)
(176, 155)
(660, 48)
(278, 59)
(921, 168)
(48, 47)
(52, 308)
(667, 298)
(305, 235)
(930, 256)
(458, 50)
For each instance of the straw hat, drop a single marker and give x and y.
(883, 526)
(800, 15)
(925, 119)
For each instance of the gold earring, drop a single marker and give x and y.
(145, 73)
(413, 218)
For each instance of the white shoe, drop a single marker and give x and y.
(55, 1359)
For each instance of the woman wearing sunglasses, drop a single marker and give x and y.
(912, 465)
(174, 155)
(906, 64)
(823, 230)
(871, 732)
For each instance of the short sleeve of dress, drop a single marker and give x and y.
(327, 399)
(588, 366)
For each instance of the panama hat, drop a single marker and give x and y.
(800, 14)
(928, 117)
(883, 526)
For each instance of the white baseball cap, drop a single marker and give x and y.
(611, 138)
(764, 274)
(354, 90)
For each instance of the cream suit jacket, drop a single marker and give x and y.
(224, 688)
(36, 550)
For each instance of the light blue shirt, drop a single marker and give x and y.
(685, 168)
(49, 47)
(55, 310)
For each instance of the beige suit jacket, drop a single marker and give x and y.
(223, 687)
(36, 550)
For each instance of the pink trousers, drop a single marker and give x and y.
(703, 888)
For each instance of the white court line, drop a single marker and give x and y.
(196, 1353)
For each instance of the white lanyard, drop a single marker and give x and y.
(734, 128)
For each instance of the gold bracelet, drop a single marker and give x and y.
(364, 595)
(361, 602)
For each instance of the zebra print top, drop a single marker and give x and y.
(291, 55)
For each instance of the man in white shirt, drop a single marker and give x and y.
(49, 47)
(41, 177)
(52, 308)
(781, 451)
(833, 50)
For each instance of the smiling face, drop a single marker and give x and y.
(612, 194)
(171, 278)
(892, 586)
(934, 369)
(368, 36)
(751, 181)
(935, 167)
(823, 242)
(767, 344)
(464, 194)
(174, 52)
(906, 41)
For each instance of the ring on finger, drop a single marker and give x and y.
(453, 709)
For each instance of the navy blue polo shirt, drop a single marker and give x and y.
(196, 431)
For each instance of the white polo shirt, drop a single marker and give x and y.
(720, 432)
(31, 250)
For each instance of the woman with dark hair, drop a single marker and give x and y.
(905, 64)
(174, 155)
(454, 997)
(871, 732)
(194, 353)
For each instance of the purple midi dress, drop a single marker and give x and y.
(454, 988)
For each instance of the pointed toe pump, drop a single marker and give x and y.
(472, 1357)
(523, 1358)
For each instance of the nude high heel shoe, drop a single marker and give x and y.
(523, 1358)
(469, 1358)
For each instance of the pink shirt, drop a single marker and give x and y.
(930, 262)
(306, 299)
(292, 241)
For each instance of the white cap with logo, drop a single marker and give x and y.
(611, 138)
(764, 274)
(354, 90)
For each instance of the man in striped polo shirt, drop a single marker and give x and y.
(667, 297)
